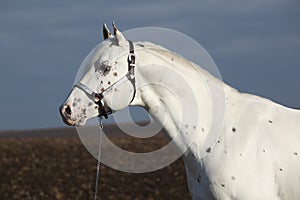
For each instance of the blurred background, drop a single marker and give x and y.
(255, 45)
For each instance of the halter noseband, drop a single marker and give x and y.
(97, 97)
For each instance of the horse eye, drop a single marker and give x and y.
(105, 68)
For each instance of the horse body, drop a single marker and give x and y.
(255, 153)
(256, 156)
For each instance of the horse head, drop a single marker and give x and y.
(107, 81)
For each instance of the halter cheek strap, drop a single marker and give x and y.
(97, 97)
(131, 66)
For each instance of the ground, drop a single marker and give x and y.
(61, 168)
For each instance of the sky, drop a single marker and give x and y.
(255, 44)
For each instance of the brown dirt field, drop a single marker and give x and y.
(61, 168)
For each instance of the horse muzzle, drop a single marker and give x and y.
(65, 113)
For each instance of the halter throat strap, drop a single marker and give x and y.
(97, 97)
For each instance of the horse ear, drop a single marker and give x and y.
(106, 32)
(118, 35)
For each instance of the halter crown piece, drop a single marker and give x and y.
(97, 97)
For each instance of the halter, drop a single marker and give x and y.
(97, 97)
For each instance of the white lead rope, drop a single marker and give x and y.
(99, 157)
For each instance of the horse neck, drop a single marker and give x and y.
(176, 94)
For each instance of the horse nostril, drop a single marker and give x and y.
(65, 112)
(68, 110)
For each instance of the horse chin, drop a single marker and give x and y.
(68, 122)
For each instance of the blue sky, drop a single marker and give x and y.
(255, 44)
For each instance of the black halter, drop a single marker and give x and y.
(97, 97)
(131, 66)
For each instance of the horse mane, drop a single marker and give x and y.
(181, 61)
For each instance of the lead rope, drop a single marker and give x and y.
(99, 157)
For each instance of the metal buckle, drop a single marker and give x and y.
(130, 56)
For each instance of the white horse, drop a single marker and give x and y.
(255, 155)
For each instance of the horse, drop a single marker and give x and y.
(253, 154)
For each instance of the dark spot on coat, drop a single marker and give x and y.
(219, 141)
(202, 129)
(241, 154)
(115, 74)
(264, 151)
(208, 150)
(194, 127)
(116, 62)
(223, 185)
(102, 89)
(233, 178)
(225, 151)
(108, 82)
(90, 104)
(101, 82)
(172, 59)
(233, 129)
(74, 104)
(186, 126)
(199, 179)
(281, 169)
(270, 121)
(295, 153)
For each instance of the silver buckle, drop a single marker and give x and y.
(130, 55)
